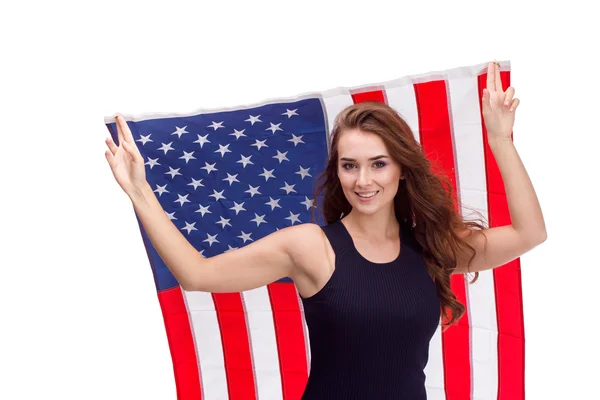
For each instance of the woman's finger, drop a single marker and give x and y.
(514, 105)
(111, 145)
(498, 79)
(109, 157)
(491, 85)
(125, 129)
(508, 97)
(118, 122)
(131, 149)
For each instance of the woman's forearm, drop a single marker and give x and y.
(178, 254)
(525, 211)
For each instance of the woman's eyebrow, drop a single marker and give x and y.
(370, 159)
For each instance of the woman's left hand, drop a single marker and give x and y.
(498, 106)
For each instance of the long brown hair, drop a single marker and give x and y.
(424, 201)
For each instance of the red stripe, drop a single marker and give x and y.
(507, 282)
(289, 332)
(236, 346)
(181, 344)
(375, 95)
(436, 140)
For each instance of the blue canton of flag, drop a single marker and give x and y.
(228, 178)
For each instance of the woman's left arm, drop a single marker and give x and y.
(527, 229)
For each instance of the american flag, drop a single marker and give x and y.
(229, 177)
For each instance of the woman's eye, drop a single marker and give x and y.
(347, 166)
(380, 164)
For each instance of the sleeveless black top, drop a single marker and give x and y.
(371, 324)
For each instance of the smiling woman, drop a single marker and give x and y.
(375, 279)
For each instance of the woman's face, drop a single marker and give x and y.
(368, 175)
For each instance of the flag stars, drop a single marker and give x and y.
(289, 113)
(253, 190)
(203, 210)
(223, 150)
(224, 222)
(171, 215)
(231, 178)
(173, 172)
(245, 237)
(238, 134)
(303, 172)
(189, 227)
(179, 131)
(144, 139)
(160, 190)
(274, 127)
(296, 139)
(294, 217)
(166, 147)
(259, 219)
(152, 162)
(245, 160)
(259, 143)
(217, 195)
(229, 248)
(238, 207)
(308, 202)
(273, 203)
(281, 156)
(202, 139)
(196, 183)
(288, 188)
(211, 239)
(216, 125)
(267, 174)
(187, 156)
(253, 119)
(209, 167)
(182, 199)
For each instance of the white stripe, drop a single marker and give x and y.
(471, 181)
(434, 370)
(333, 106)
(403, 100)
(205, 328)
(263, 343)
(305, 330)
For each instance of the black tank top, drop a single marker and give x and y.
(371, 324)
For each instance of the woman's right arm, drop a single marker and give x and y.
(261, 262)
(273, 257)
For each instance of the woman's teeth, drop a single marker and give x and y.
(367, 195)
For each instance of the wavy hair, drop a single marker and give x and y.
(424, 201)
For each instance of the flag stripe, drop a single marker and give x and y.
(290, 338)
(209, 347)
(236, 349)
(181, 343)
(263, 343)
(371, 95)
(507, 279)
(481, 300)
(436, 139)
(403, 100)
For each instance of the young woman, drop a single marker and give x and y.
(375, 279)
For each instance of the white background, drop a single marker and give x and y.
(80, 317)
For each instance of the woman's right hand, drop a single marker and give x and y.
(125, 160)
